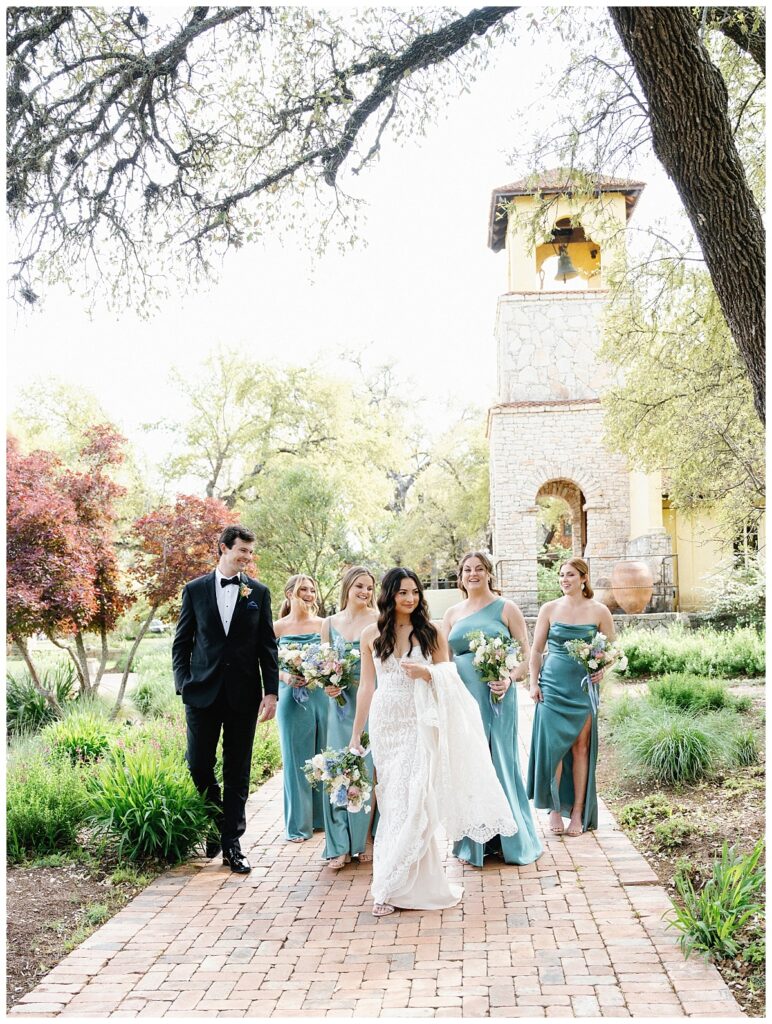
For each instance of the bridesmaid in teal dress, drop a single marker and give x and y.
(348, 834)
(302, 725)
(564, 744)
(484, 610)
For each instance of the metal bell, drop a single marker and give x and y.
(566, 269)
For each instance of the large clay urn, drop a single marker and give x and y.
(633, 585)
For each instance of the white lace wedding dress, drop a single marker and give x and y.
(434, 770)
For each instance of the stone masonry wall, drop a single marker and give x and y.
(547, 346)
(531, 445)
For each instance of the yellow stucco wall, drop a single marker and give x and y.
(440, 600)
(700, 554)
(603, 218)
(645, 502)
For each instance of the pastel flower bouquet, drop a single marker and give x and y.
(330, 665)
(593, 655)
(494, 658)
(291, 660)
(344, 775)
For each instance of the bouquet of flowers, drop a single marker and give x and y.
(592, 655)
(494, 657)
(330, 665)
(344, 775)
(291, 660)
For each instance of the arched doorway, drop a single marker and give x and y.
(562, 532)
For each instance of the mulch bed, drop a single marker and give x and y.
(46, 907)
(729, 807)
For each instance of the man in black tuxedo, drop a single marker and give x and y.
(224, 644)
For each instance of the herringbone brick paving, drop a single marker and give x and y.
(578, 934)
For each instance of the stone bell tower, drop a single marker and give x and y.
(562, 245)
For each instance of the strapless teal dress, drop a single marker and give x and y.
(501, 729)
(344, 832)
(302, 734)
(557, 722)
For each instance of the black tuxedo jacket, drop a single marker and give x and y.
(204, 658)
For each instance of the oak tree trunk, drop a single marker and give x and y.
(692, 137)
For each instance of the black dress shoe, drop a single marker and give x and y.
(213, 847)
(236, 860)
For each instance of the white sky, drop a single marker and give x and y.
(423, 290)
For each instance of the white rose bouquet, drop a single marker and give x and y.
(494, 659)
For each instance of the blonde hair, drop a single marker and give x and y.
(348, 582)
(488, 568)
(289, 591)
(584, 570)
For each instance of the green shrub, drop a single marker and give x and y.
(266, 754)
(154, 694)
(148, 805)
(690, 693)
(26, 710)
(738, 594)
(46, 806)
(617, 711)
(742, 748)
(645, 811)
(672, 747)
(703, 652)
(756, 952)
(743, 704)
(711, 920)
(673, 832)
(83, 735)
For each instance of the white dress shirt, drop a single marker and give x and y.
(226, 599)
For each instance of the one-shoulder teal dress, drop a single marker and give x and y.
(345, 833)
(302, 734)
(501, 729)
(557, 722)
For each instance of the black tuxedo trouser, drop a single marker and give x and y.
(238, 733)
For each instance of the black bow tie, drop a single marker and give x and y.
(234, 580)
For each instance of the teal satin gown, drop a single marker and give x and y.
(557, 722)
(345, 833)
(501, 729)
(302, 734)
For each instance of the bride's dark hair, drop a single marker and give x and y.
(422, 629)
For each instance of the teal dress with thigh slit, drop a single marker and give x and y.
(345, 833)
(302, 734)
(557, 722)
(500, 725)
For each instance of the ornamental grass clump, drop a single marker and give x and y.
(27, 710)
(713, 919)
(154, 694)
(147, 804)
(671, 747)
(46, 806)
(84, 735)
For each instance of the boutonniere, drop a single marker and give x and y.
(244, 590)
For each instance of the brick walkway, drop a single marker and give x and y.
(578, 934)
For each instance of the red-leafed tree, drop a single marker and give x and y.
(174, 544)
(94, 494)
(63, 577)
(50, 583)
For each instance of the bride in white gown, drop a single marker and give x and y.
(432, 761)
